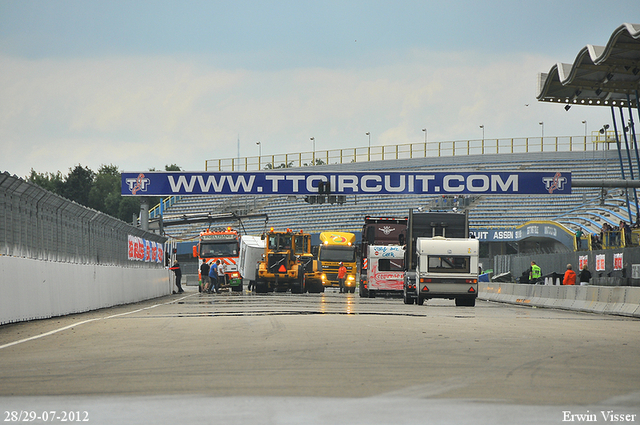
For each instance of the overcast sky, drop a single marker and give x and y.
(143, 84)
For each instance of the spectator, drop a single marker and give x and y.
(585, 276)
(579, 239)
(569, 276)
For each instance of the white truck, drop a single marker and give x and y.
(447, 268)
(385, 270)
(251, 252)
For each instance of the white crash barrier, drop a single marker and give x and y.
(618, 300)
(34, 289)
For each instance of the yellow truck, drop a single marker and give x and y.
(287, 264)
(336, 248)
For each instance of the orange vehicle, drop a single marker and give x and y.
(223, 245)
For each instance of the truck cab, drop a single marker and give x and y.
(336, 248)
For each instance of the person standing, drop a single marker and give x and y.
(178, 272)
(536, 272)
(213, 277)
(204, 276)
(221, 276)
(585, 276)
(579, 239)
(569, 276)
(342, 273)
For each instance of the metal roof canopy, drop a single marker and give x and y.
(599, 76)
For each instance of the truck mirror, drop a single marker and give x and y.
(195, 250)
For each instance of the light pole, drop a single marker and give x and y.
(313, 139)
(259, 153)
(369, 149)
(425, 141)
(542, 127)
(482, 127)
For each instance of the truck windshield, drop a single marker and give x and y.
(449, 264)
(301, 244)
(335, 253)
(279, 242)
(219, 249)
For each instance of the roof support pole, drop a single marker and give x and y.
(626, 144)
(615, 127)
(632, 133)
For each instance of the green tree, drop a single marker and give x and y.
(104, 194)
(49, 181)
(78, 184)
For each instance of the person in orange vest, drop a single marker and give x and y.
(342, 273)
(569, 276)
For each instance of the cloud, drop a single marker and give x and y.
(144, 112)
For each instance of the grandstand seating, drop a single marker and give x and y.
(584, 207)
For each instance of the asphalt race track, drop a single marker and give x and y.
(320, 358)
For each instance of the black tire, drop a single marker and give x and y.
(260, 287)
(420, 300)
(406, 298)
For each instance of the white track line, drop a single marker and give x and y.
(87, 321)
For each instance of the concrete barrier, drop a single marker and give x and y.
(34, 289)
(622, 300)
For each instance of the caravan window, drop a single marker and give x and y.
(449, 264)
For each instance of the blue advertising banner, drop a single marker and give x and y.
(344, 183)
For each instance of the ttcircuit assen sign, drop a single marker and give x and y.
(344, 183)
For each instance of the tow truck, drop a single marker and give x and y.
(223, 245)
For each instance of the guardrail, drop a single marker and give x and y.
(620, 300)
(596, 141)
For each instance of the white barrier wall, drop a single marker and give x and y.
(34, 289)
(620, 300)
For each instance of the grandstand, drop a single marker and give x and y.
(585, 208)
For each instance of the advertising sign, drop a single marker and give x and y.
(344, 183)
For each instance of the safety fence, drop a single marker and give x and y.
(593, 142)
(40, 225)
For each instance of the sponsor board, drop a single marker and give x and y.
(361, 183)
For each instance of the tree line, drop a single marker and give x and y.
(99, 190)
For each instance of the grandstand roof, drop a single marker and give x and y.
(600, 75)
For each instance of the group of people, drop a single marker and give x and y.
(570, 277)
(612, 236)
(213, 276)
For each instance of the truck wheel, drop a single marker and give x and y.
(420, 300)
(406, 298)
(260, 287)
(372, 294)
